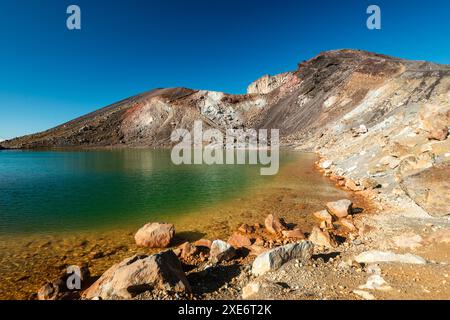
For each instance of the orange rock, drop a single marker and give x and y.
(293, 234)
(203, 243)
(239, 240)
(274, 225)
(321, 238)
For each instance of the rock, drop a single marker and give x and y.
(187, 250)
(376, 282)
(140, 273)
(326, 164)
(435, 119)
(347, 223)
(245, 228)
(323, 216)
(274, 225)
(341, 208)
(362, 129)
(155, 235)
(429, 190)
(239, 240)
(203, 243)
(387, 256)
(51, 290)
(321, 238)
(351, 185)
(293, 234)
(256, 250)
(369, 183)
(364, 294)
(221, 251)
(250, 290)
(259, 241)
(275, 258)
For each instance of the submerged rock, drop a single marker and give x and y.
(275, 258)
(155, 235)
(140, 273)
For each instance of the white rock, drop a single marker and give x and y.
(387, 256)
(376, 282)
(364, 294)
(250, 289)
(275, 258)
(326, 164)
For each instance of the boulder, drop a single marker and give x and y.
(430, 190)
(293, 234)
(323, 216)
(187, 250)
(375, 256)
(341, 208)
(140, 273)
(51, 290)
(155, 235)
(435, 119)
(274, 225)
(239, 240)
(221, 251)
(203, 243)
(275, 258)
(321, 238)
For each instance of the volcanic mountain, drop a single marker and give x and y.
(371, 115)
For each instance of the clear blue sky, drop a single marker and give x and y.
(49, 75)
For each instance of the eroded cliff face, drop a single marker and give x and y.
(372, 115)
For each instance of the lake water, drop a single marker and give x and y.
(57, 191)
(60, 208)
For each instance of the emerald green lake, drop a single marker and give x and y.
(89, 190)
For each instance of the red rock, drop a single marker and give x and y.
(155, 235)
(274, 225)
(293, 234)
(341, 208)
(259, 241)
(256, 250)
(203, 243)
(239, 240)
(187, 250)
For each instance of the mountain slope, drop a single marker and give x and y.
(299, 103)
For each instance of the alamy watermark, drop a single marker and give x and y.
(231, 146)
(374, 20)
(73, 21)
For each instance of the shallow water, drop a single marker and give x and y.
(62, 208)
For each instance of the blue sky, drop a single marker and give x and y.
(49, 75)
